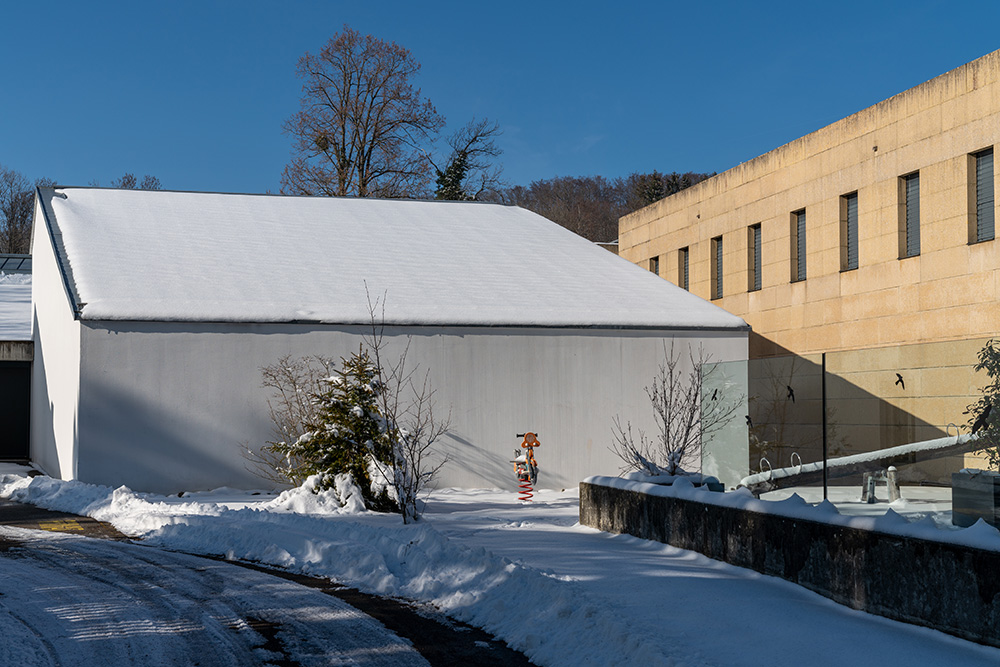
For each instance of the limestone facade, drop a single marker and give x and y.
(895, 260)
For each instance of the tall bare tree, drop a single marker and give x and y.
(363, 128)
(17, 201)
(470, 172)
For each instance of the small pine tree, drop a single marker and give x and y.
(984, 416)
(349, 432)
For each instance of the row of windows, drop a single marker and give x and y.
(981, 228)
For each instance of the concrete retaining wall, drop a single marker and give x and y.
(952, 588)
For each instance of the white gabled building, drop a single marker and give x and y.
(155, 311)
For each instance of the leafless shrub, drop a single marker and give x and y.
(412, 428)
(683, 419)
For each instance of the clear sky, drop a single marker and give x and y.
(195, 93)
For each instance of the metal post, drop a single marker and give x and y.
(823, 380)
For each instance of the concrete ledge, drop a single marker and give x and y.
(17, 350)
(948, 587)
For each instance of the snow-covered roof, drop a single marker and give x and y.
(191, 256)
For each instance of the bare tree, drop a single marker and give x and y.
(362, 127)
(16, 207)
(413, 430)
(128, 181)
(17, 210)
(469, 172)
(683, 419)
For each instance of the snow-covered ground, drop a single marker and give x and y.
(69, 600)
(528, 573)
(918, 503)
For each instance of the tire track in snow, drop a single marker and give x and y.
(73, 600)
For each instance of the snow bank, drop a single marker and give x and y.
(375, 553)
(980, 535)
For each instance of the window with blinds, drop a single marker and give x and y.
(849, 232)
(753, 257)
(717, 267)
(798, 245)
(683, 262)
(985, 206)
(654, 265)
(909, 218)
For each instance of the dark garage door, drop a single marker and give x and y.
(15, 392)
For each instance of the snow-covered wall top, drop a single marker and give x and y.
(15, 306)
(186, 256)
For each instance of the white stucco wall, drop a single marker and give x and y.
(166, 406)
(55, 377)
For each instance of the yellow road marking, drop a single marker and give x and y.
(68, 524)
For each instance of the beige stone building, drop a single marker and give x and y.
(872, 240)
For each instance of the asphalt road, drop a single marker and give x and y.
(66, 599)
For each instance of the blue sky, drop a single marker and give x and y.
(195, 93)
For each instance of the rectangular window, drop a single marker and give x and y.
(984, 201)
(683, 262)
(909, 215)
(753, 257)
(717, 267)
(849, 232)
(798, 245)
(654, 264)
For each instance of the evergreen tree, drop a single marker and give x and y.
(451, 181)
(649, 188)
(984, 415)
(350, 430)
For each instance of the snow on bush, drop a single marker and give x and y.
(313, 497)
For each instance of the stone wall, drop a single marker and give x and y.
(951, 588)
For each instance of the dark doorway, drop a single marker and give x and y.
(15, 396)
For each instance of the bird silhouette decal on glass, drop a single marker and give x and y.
(899, 381)
(749, 421)
(715, 394)
(981, 419)
(791, 393)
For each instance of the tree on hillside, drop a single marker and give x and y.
(469, 173)
(363, 128)
(587, 205)
(592, 205)
(17, 197)
(128, 181)
(646, 189)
